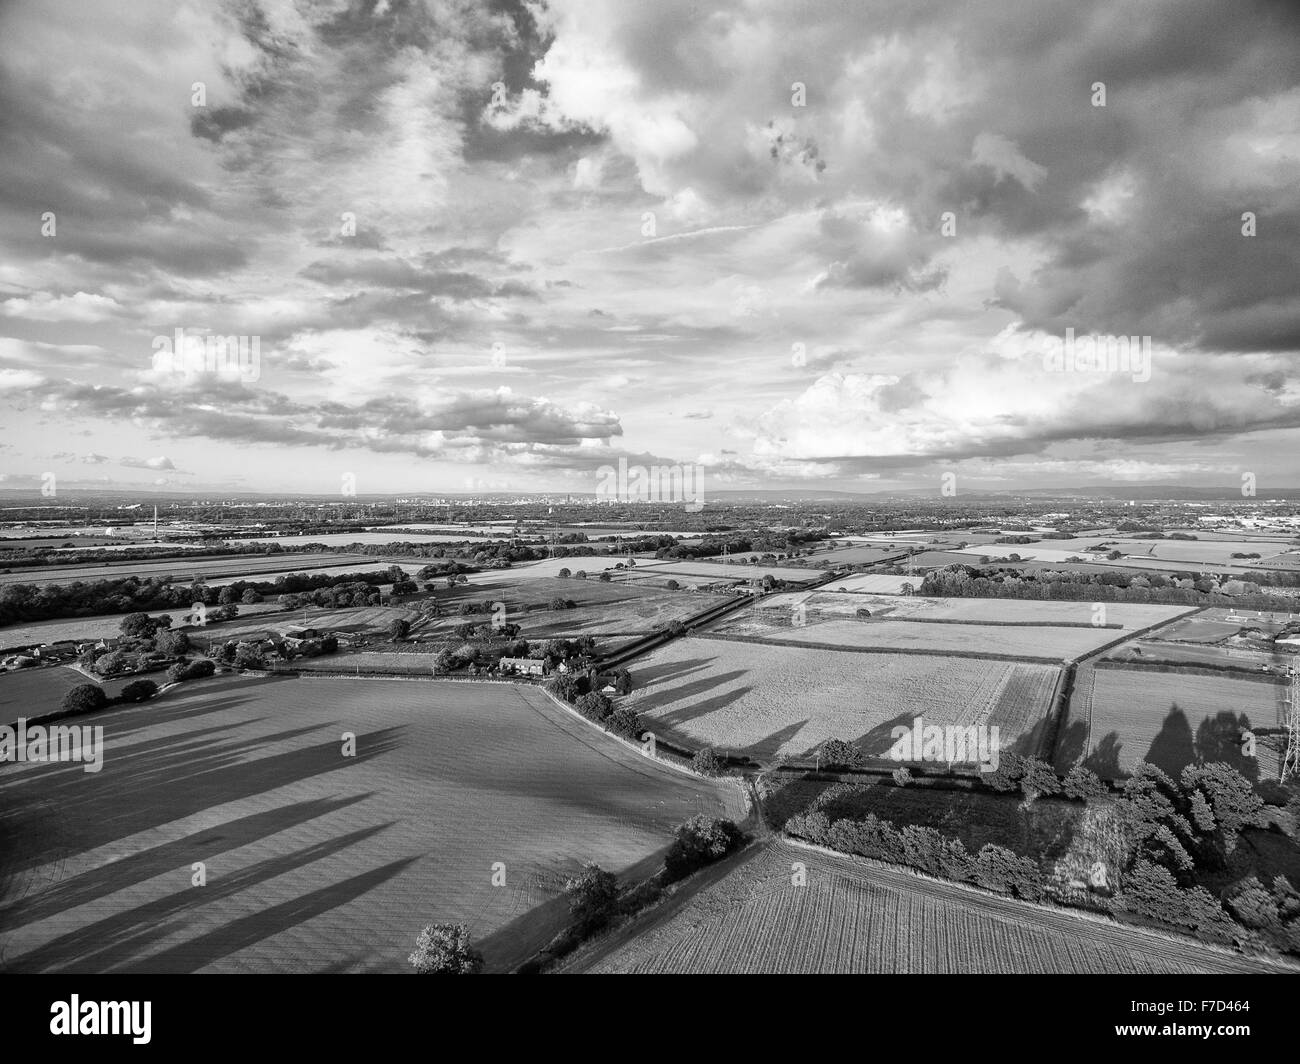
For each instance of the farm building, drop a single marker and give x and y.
(524, 666)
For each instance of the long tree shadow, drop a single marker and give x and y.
(1219, 738)
(767, 748)
(1103, 759)
(145, 864)
(249, 930)
(93, 809)
(880, 740)
(690, 690)
(1172, 748)
(124, 935)
(701, 708)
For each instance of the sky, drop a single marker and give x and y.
(498, 246)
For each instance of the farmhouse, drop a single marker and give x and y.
(524, 666)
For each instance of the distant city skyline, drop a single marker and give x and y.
(463, 247)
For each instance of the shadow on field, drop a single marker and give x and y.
(247, 931)
(652, 676)
(766, 748)
(162, 780)
(180, 854)
(1217, 739)
(704, 706)
(124, 936)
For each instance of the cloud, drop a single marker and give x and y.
(160, 462)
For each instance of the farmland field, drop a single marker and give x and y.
(763, 700)
(725, 571)
(86, 628)
(33, 692)
(264, 567)
(1050, 644)
(858, 917)
(1171, 719)
(877, 583)
(316, 861)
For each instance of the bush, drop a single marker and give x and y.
(138, 691)
(592, 896)
(700, 841)
(177, 673)
(84, 698)
(199, 669)
(902, 776)
(444, 949)
(398, 629)
(708, 762)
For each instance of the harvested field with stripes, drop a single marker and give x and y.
(858, 917)
(762, 701)
(316, 861)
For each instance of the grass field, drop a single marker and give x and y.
(856, 917)
(86, 628)
(1171, 719)
(897, 622)
(315, 861)
(763, 701)
(33, 692)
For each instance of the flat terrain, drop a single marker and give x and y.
(110, 624)
(1049, 644)
(213, 570)
(854, 916)
(1171, 719)
(315, 861)
(763, 701)
(33, 692)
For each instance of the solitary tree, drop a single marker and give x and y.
(444, 949)
(85, 698)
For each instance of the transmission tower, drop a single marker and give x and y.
(1291, 755)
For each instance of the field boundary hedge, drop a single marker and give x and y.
(1236, 672)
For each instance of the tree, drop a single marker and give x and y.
(138, 691)
(250, 597)
(398, 629)
(707, 762)
(592, 894)
(837, 754)
(84, 698)
(564, 574)
(581, 574)
(902, 776)
(137, 626)
(605, 578)
(672, 585)
(700, 841)
(247, 656)
(445, 949)
(563, 686)
(173, 644)
(624, 723)
(593, 705)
